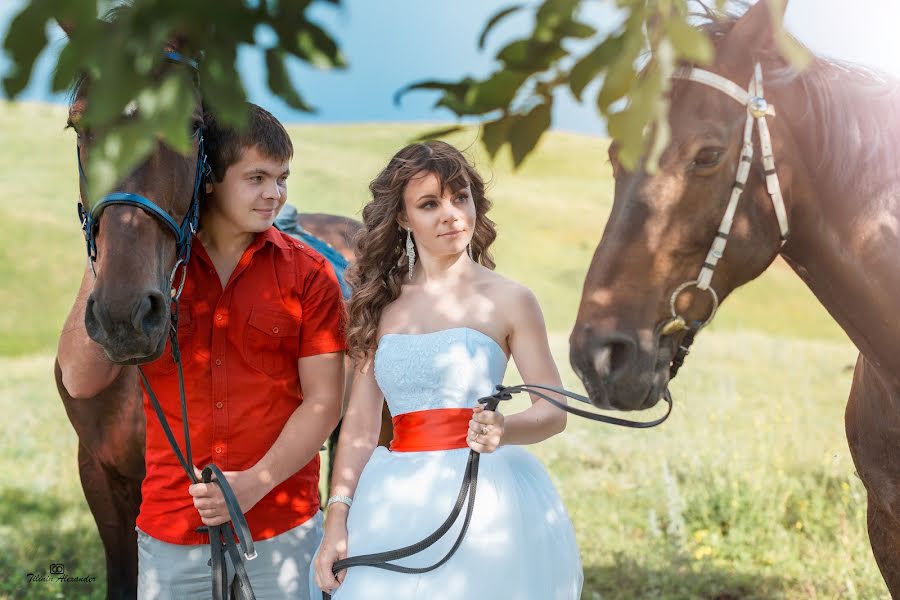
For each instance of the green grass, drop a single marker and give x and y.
(747, 492)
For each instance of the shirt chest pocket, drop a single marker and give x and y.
(272, 340)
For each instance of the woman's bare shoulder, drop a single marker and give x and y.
(514, 299)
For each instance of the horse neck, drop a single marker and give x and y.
(845, 243)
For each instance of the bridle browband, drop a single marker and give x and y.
(221, 537)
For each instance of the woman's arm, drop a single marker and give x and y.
(358, 439)
(530, 349)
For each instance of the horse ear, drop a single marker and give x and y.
(760, 35)
(760, 27)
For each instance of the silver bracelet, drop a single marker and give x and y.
(343, 499)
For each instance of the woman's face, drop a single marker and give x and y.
(442, 221)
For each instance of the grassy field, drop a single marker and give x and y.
(747, 492)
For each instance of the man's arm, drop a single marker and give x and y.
(322, 378)
(86, 371)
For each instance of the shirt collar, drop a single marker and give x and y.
(272, 236)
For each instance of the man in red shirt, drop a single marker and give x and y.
(260, 313)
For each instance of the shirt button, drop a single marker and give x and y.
(219, 405)
(274, 330)
(299, 246)
(219, 450)
(218, 317)
(218, 362)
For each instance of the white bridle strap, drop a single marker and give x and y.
(757, 110)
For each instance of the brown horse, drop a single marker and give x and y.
(125, 311)
(834, 135)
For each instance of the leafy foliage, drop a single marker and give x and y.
(134, 96)
(635, 62)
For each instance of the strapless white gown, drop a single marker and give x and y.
(520, 544)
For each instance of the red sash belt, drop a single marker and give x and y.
(436, 429)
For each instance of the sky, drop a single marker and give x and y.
(391, 43)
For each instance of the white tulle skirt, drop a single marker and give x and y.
(520, 544)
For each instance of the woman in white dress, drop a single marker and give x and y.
(432, 327)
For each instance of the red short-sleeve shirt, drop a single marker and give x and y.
(240, 348)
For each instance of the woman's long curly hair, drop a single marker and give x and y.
(381, 261)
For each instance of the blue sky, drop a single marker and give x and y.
(391, 43)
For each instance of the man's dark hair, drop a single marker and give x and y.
(225, 145)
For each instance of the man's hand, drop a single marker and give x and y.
(210, 502)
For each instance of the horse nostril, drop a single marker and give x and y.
(150, 312)
(93, 321)
(613, 356)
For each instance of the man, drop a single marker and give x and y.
(260, 334)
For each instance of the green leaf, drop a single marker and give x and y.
(525, 132)
(587, 69)
(530, 56)
(280, 82)
(319, 48)
(554, 13)
(25, 39)
(689, 42)
(496, 92)
(439, 133)
(792, 50)
(218, 77)
(494, 20)
(494, 133)
(577, 30)
(619, 79)
(515, 53)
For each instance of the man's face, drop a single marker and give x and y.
(252, 192)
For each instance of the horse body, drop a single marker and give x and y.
(845, 249)
(834, 137)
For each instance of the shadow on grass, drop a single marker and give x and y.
(37, 531)
(628, 579)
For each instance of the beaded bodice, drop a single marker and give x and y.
(450, 368)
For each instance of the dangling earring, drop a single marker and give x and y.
(410, 251)
(469, 250)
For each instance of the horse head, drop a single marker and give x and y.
(646, 279)
(132, 232)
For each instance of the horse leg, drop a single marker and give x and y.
(884, 536)
(873, 433)
(114, 501)
(110, 430)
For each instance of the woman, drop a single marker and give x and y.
(432, 327)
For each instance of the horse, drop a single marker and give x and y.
(134, 259)
(824, 195)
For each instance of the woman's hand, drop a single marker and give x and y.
(485, 430)
(333, 549)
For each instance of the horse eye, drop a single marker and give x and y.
(707, 157)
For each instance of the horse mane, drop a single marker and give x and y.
(852, 112)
